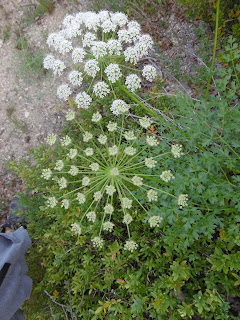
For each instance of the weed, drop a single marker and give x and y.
(21, 125)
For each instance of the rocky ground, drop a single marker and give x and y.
(28, 96)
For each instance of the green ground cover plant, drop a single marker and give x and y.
(134, 210)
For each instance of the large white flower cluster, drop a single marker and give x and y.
(89, 42)
(101, 174)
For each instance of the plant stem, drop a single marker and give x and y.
(214, 50)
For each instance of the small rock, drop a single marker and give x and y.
(26, 114)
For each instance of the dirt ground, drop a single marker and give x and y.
(28, 101)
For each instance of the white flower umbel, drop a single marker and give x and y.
(131, 54)
(123, 36)
(72, 153)
(58, 67)
(155, 221)
(94, 166)
(99, 49)
(83, 100)
(129, 135)
(177, 150)
(65, 141)
(75, 77)
(102, 139)
(110, 190)
(119, 18)
(88, 152)
(133, 82)
(75, 228)
(73, 171)
(119, 107)
(108, 209)
(91, 216)
(97, 242)
(87, 136)
(51, 202)
(137, 181)
(112, 126)
(108, 26)
(65, 204)
(150, 162)
(152, 141)
(46, 174)
(145, 122)
(182, 200)
(70, 115)
(91, 67)
(113, 72)
(62, 183)
(51, 139)
(126, 203)
(113, 150)
(48, 61)
(96, 117)
(78, 55)
(59, 165)
(130, 245)
(81, 198)
(167, 175)
(101, 89)
(130, 151)
(152, 195)
(114, 47)
(127, 219)
(114, 172)
(108, 226)
(88, 39)
(97, 195)
(149, 73)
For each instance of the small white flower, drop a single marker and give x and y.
(65, 204)
(108, 26)
(101, 89)
(152, 141)
(87, 136)
(91, 68)
(94, 166)
(72, 153)
(97, 195)
(123, 36)
(85, 181)
(59, 165)
(182, 200)
(99, 49)
(76, 228)
(97, 242)
(58, 67)
(149, 72)
(131, 55)
(75, 77)
(119, 107)
(103, 15)
(73, 170)
(133, 33)
(51, 139)
(91, 216)
(51, 202)
(145, 122)
(108, 209)
(48, 61)
(88, 152)
(65, 46)
(130, 151)
(91, 20)
(114, 47)
(110, 190)
(147, 40)
(54, 40)
(150, 162)
(108, 226)
(112, 126)
(65, 141)
(70, 115)
(119, 18)
(67, 20)
(177, 150)
(88, 39)
(113, 150)
(113, 72)
(155, 221)
(133, 82)
(83, 100)
(126, 203)
(96, 117)
(62, 183)
(152, 195)
(127, 219)
(81, 198)
(129, 135)
(130, 245)
(137, 181)
(102, 139)
(78, 55)
(166, 175)
(46, 174)
(114, 172)
(63, 92)
(134, 24)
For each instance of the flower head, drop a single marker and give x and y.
(127, 219)
(97, 242)
(108, 226)
(130, 245)
(149, 72)
(76, 228)
(166, 175)
(182, 200)
(91, 216)
(101, 89)
(155, 221)
(152, 195)
(83, 100)
(177, 150)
